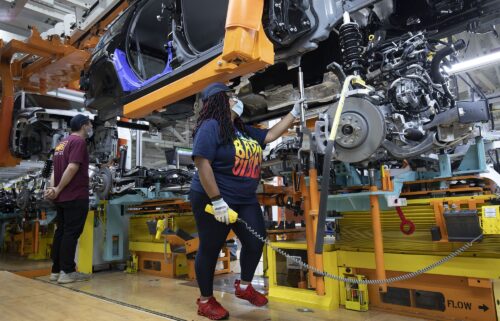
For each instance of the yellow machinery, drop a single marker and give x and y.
(156, 256)
(460, 288)
(421, 243)
(119, 229)
(148, 223)
(31, 242)
(173, 253)
(155, 233)
(464, 288)
(356, 295)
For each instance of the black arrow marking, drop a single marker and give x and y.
(484, 307)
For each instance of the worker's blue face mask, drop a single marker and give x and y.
(238, 107)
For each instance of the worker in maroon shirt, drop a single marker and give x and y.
(70, 192)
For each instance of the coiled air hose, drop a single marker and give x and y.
(400, 278)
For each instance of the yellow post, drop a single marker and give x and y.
(304, 297)
(86, 245)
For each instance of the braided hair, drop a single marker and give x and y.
(217, 107)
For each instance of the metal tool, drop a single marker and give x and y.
(233, 216)
(304, 154)
(302, 100)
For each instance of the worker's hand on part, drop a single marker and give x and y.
(296, 108)
(221, 210)
(52, 193)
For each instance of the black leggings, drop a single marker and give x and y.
(213, 236)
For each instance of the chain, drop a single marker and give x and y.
(403, 277)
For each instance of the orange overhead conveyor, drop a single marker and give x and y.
(35, 65)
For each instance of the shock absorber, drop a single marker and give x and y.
(123, 159)
(47, 169)
(351, 46)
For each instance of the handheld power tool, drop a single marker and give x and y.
(233, 216)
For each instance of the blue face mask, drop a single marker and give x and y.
(90, 132)
(238, 107)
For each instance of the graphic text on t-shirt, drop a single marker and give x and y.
(248, 157)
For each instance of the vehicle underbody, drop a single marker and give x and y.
(407, 107)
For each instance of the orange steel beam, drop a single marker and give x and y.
(36, 237)
(438, 215)
(377, 239)
(6, 159)
(57, 65)
(246, 50)
(310, 237)
(34, 67)
(318, 258)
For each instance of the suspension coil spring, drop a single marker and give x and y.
(47, 168)
(352, 50)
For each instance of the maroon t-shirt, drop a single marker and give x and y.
(72, 149)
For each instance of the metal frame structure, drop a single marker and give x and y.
(246, 49)
(44, 65)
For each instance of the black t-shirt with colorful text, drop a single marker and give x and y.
(236, 166)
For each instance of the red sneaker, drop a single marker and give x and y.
(250, 294)
(212, 309)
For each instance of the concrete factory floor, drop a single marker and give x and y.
(120, 296)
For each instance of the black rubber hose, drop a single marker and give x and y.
(440, 55)
(337, 71)
(123, 160)
(399, 152)
(323, 201)
(47, 167)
